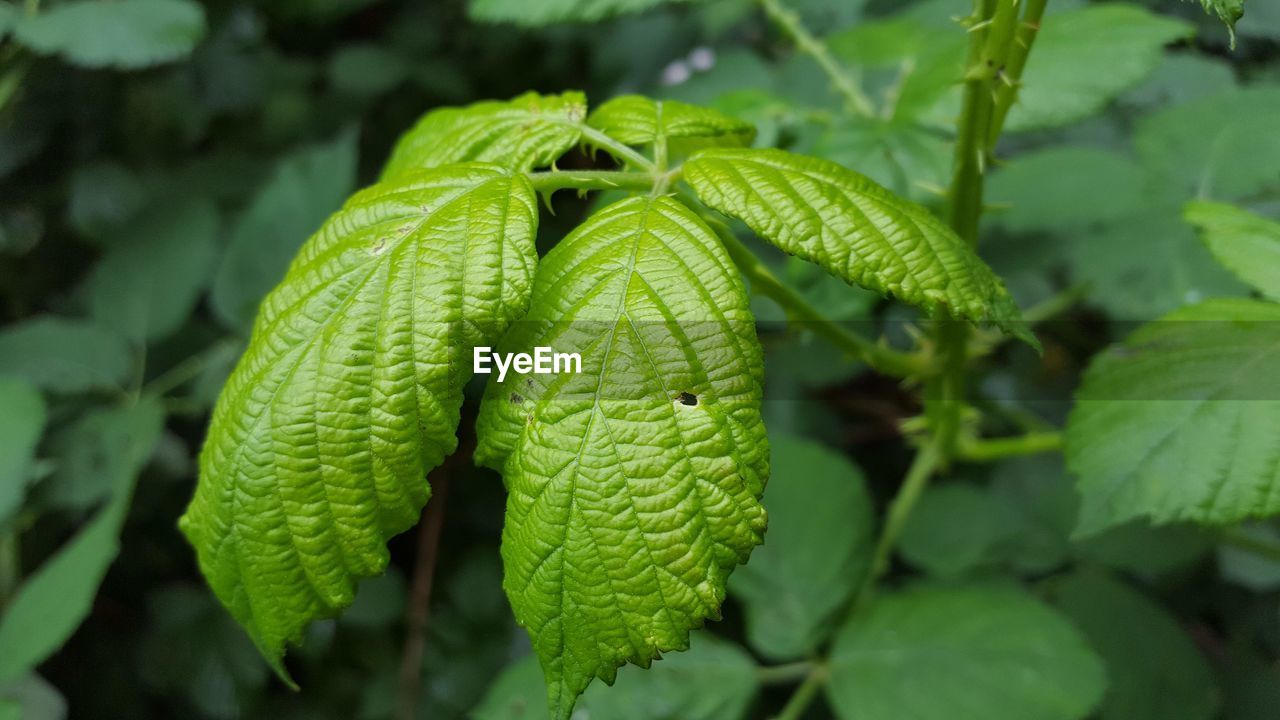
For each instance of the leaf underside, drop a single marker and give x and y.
(523, 133)
(349, 392)
(858, 231)
(1182, 420)
(634, 486)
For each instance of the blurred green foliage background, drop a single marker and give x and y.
(162, 160)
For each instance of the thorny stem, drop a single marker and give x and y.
(552, 180)
(1007, 91)
(594, 137)
(805, 694)
(991, 449)
(789, 22)
(419, 607)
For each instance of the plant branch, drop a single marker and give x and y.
(790, 24)
(783, 674)
(1015, 63)
(1235, 538)
(552, 180)
(618, 150)
(991, 449)
(418, 610)
(804, 695)
(185, 371)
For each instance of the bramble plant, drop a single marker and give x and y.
(634, 486)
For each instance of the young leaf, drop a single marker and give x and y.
(21, 424)
(63, 355)
(792, 591)
(550, 12)
(125, 34)
(349, 392)
(1247, 244)
(52, 602)
(857, 230)
(1084, 58)
(1155, 669)
(1182, 420)
(638, 120)
(147, 284)
(634, 484)
(525, 132)
(962, 653)
(1228, 11)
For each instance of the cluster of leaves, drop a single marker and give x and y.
(1134, 187)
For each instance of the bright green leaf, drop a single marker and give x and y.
(633, 485)
(962, 653)
(525, 132)
(912, 160)
(51, 603)
(857, 230)
(713, 680)
(1181, 421)
(1155, 670)
(1084, 58)
(349, 392)
(638, 120)
(551, 12)
(21, 424)
(1247, 244)
(124, 33)
(147, 284)
(304, 189)
(63, 355)
(791, 590)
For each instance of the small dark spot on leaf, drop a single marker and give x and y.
(687, 398)
(517, 398)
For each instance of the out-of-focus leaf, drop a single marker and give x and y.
(1179, 422)
(1147, 551)
(910, 159)
(1222, 147)
(1155, 671)
(64, 355)
(713, 680)
(93, 455)
(147, 284)
(1084, 58)
(124, 34)
(1065, 189)
(817, 499)
(1251, 569)
(51, 603)
(379, 601)
(31, 697)
(8, 17)
(367, 70)
(1247, 244)
(104, 194)
(22, 418)
(550, 12)
(304, 189)
(954, 528)
(1228, 11)
(1040, 505)
(1181, 78)
(978, 652)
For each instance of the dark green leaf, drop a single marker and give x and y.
(21, 424)
(123, 33)
(1247, 244)
(63, 355)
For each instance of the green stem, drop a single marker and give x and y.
(882, 358)
(1261, 548)
(991, 449)
(552, 180)
(784, 674)
(627, 154)
(1007, 92)
(184, 371)
(804, 695)
(922, 468)
(790, 23)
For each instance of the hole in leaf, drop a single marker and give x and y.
(516, 398)
(687, 398)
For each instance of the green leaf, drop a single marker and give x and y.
(1222, 147)
(21, 424)
(633, 485)
(366, 70)
(816, 551)
(1155, 670)
(1247, 244)
(64, 355)
(641, 121)
(51, 603)
(104, 194)
(525, 132)
(954, 528)
(349, 392)
(1084, 58)
(551, 12)
(1250, 569)
(1228, 11)
(303, 190)
(857, 230)
(124, 34)
(714, 680)
(1066, 189)
(908, 158)
(9, 16)
(31, 697)
(146, 286)
(981, 652)
(1146, 551)
(1179, 422)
